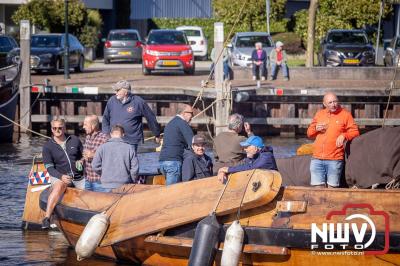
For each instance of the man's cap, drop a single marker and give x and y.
(279, 44)
(253, 140)
(122, 84)
(198, 139)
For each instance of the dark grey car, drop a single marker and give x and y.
(346, 48)
(391, 57)
(123, 45)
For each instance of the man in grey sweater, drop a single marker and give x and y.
(116, 161)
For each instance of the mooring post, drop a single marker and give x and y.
(222, 112)
(25, 81)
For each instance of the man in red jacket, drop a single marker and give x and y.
(330, 128)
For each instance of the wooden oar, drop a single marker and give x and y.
(161, 208)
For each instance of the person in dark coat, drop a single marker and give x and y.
(127, 110)
(259, 59)
(258, 157)
(178, 137)
(196, 164)
(62, 156)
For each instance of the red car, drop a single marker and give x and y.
(167, 50)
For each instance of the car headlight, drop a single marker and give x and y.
(151, 52)
(46, 55)
(332, 52)
(368, 53)
(186, 52)
(239, 56)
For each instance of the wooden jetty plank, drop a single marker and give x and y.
(187, 202)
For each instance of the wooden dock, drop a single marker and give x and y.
(275, 107)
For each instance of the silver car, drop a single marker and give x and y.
(123, 44)
(391, 57)
(242, 45)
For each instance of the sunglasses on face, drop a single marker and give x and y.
(57, 128)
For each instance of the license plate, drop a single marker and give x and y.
(351, 61)
(170, 63)
(124, 53)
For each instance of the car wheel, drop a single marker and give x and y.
(189, 71)
(106, 61)
(57, 68)
(81, 65)
(145, 70)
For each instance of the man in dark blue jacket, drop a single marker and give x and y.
(259, 59)
(258, 157)
(61, 157)
(177, 137)
(127, 110)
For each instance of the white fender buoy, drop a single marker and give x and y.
(232, 245)
(91, 236)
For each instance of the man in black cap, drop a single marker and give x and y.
(196, 163)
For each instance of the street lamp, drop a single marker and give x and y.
(66, 42)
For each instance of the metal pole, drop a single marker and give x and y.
(268, 10)
(66, 43)
(25, 81)
(379, 31)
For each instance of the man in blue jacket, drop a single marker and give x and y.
(196, 163)
(177, 137)
(61, 157)
(258, 157)
(127, 110)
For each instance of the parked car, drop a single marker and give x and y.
(167, 50)
(47, 53)
(391, 57)
(7, 43)
(197, 40)
(123, 44)
(242, 45)
(346, 48)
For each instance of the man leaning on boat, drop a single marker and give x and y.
(330, 128)
(61, 155)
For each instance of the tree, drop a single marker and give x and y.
(253, 17)
(48, 15)
(311, 33)
(340, 14)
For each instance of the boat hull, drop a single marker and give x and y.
(8, 100)
(277, 233)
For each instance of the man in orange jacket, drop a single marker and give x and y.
(330, 127)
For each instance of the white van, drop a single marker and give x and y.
(197, 40)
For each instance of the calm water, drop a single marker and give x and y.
(18, 247)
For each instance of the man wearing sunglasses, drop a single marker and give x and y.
(61, 155)
(177, 138)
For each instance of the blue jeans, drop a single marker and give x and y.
(326, 171)
(261, 70)
(172, 171)
(274, 70)
(226, 69)
(95, 186)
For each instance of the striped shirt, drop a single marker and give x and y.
(92, 142)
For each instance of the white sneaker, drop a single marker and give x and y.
(254, 77)
(263, 78)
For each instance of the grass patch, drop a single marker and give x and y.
(299, 60)
(88, 63)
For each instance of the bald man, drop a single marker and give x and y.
(177, 138)
(331, 127)
(94, 138)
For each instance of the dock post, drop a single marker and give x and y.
(25, 81)
(222, 106)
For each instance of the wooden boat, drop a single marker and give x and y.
(155, 225)
(9, 87)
